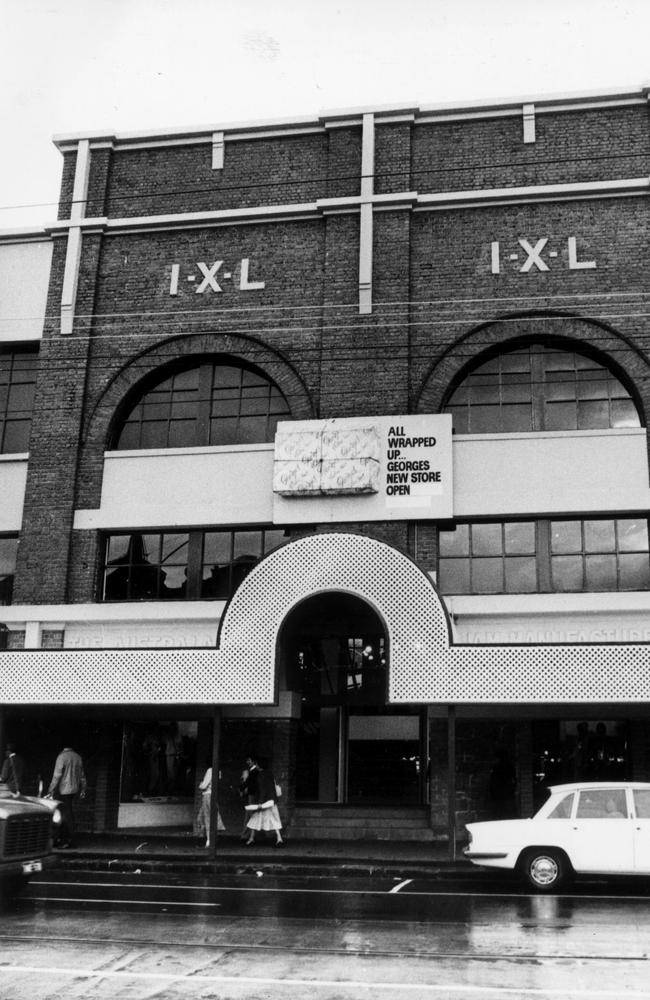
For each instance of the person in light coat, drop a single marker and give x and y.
(206, 805)
(68, 782)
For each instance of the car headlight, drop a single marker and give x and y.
(56, 817)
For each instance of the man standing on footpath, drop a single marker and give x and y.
(70, 779)
(13, 769)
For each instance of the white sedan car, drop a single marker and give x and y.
(599, 827)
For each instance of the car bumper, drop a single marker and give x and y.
(25, 867)
(484, 855)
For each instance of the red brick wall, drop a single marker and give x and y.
(270, 171)
(393, 145)
(583, 145)
(436, 303)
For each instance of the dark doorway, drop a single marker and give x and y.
(351, 746)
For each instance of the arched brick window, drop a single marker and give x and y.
(211, 403)
(539, 385)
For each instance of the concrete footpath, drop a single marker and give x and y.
(146, 853)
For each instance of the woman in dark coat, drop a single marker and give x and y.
(260, 787)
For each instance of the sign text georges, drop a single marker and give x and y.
(406, 465)
(416, 466)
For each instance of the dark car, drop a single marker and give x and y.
(26, 832)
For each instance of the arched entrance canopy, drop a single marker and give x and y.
(402, 595)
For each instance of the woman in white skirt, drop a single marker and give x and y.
(262, 803)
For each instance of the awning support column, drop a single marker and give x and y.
(451, 780)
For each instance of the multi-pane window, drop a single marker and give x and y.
(210, 404)
(496, 558)
(182, 565)
(539, 387)
(599, 555)
(17, 383)
(8, 550)
(544, 556)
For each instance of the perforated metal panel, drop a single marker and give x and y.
(569, 673)
(134, 676)
(394, 586)
(424, 668)
(400, 592)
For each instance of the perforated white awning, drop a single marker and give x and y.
(424, 665)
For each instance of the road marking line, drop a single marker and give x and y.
(396, 888)
(398, 988)
(224, 888)
(128, 885)
(330, 892)
(121, 902)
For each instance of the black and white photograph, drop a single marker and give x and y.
(324, 500)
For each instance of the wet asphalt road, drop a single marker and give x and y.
(95, 936)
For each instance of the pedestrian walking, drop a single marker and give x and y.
(245, 800)
(263, 792)
(206, 806)
(69, 779)
(13, 769)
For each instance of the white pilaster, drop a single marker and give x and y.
(529, 123)
(73, 255)
(366, 213)
(218, 148)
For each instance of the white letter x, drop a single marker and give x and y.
(533, 255)
(209, 280)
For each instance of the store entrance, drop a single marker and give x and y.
(351, 747)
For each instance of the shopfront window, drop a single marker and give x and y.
(8, 551)
(520, 557)
(17, 385)
(540, 386)
(189, 565)
(209, 404)
(158, 774)
(579, 750)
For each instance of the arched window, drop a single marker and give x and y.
(209, 404)
(539, 386)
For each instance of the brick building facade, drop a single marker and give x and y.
(206, 547)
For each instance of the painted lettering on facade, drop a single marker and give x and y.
(536, 255)
(213, 277)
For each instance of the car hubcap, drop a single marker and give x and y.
(544, 870)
